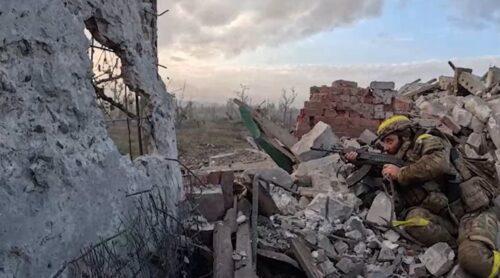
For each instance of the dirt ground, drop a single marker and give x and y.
(196, 144)
(196, 141)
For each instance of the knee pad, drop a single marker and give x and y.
(476, 258)
(434, 231)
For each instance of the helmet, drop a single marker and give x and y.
(393, 124)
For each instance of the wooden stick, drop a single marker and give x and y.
(223, 266)
(303, 255)
(255, 213)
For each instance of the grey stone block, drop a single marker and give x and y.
(380, 210)
(321, 136)
(382, 85)
(478, 107)
(461, 116)
(438, 258)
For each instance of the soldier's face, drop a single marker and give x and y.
(391, 144)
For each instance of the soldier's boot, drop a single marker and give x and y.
(436, 229)
(477, 245)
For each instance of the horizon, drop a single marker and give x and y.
(304, 44)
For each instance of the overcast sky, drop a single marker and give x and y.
(213, 46)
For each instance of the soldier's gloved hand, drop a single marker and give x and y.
(351, 156)
(390, 171)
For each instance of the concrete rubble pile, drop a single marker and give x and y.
(311, 221)
(464, 105)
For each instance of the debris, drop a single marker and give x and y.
(244, 267)
(303, 202)
(223, 251)
(266, 202)
(328, 165)
(445, 83)
(341, 247)
(493, 127)
(450, 123)
(275, 176)
(381, 210)
(327, 268)
(360, 248)
(367, 137)
(477, 107)
(285, 202)
(461, 116)
(276, 256)
(345, 265)
(321, 136)
(477, 142)
(319, 255)
(386, 254)
(417, 271)
(438, 258)
(382, 85)
(325, 244)
(210, 202)
(391, 236)
(471, 83)
(279, 154)
(419, 89)
(303, 255)
(350, 144)
(356, 224)
(341, 206)
(355, 235)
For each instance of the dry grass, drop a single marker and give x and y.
(196, 141)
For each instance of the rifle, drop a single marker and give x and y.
(366, 159)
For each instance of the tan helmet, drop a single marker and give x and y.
(393, 124)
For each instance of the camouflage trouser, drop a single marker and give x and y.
(439, 229)
(477, 243)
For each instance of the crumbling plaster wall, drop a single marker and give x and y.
(63, 183)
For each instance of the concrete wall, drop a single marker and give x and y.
(63, 184)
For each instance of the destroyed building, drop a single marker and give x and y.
(350, 109)
(312, 222)
(64, 187)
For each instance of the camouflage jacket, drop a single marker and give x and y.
(429, 169)
(429, 158)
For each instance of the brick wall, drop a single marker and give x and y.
(350, 109)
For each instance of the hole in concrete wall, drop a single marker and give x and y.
(123, 108)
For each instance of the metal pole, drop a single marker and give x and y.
(128, 125)
(139, 130)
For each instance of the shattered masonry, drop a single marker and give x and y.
(350, 109)
(63, 183)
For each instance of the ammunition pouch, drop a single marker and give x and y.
(436, 202)
(482, 227)
(476, 194)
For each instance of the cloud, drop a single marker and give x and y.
(476, 14)
(214, 28)
(215, 83)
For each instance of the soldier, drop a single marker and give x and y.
(441, 197)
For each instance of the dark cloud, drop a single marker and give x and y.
(203, 28)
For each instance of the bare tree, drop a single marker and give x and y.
(242, 94)
(183, 109)
(286, 101)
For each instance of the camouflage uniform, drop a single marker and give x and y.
(423, 187)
